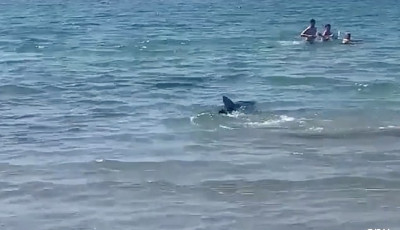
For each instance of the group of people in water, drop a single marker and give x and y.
(311, 33)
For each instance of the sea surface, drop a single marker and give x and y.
(109, 115)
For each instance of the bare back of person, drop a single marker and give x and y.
(310, 33)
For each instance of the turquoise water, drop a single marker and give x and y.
(108, 115)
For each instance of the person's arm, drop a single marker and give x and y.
(303, 34)
(330, 34)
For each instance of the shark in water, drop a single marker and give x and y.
(230, 106)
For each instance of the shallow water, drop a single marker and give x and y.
(108, 115)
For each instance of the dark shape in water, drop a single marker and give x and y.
(230, 106)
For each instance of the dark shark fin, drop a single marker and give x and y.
(228, 103)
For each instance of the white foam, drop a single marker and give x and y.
(286, 118)
(192, 120)
(226, 127)
(268, 123)
(235, 114)
(289, 43)
(389, 127)
(318, 129)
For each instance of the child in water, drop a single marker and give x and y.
(327, 34)
(347, 39)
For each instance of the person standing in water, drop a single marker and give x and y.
(310, 33)
(327, 34)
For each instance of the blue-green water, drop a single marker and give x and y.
(108, 115)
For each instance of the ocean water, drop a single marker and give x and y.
(109, 115)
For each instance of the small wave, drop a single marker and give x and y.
(24, 59)
(316, 129)
(389, 127)
(205, 121)
(384, 88)
(190, 79)
(331, 183)
(17, 117)
(273, 122)
(289, 43)
(101, 102)
(166, 85)
(211, 122)
(18, 90)
(107, 113)
(192, 120)
(226, 127)
(235, 114)
(323, 133)
(284, 80)
(53, 88)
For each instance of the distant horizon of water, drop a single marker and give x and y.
(109, 115)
